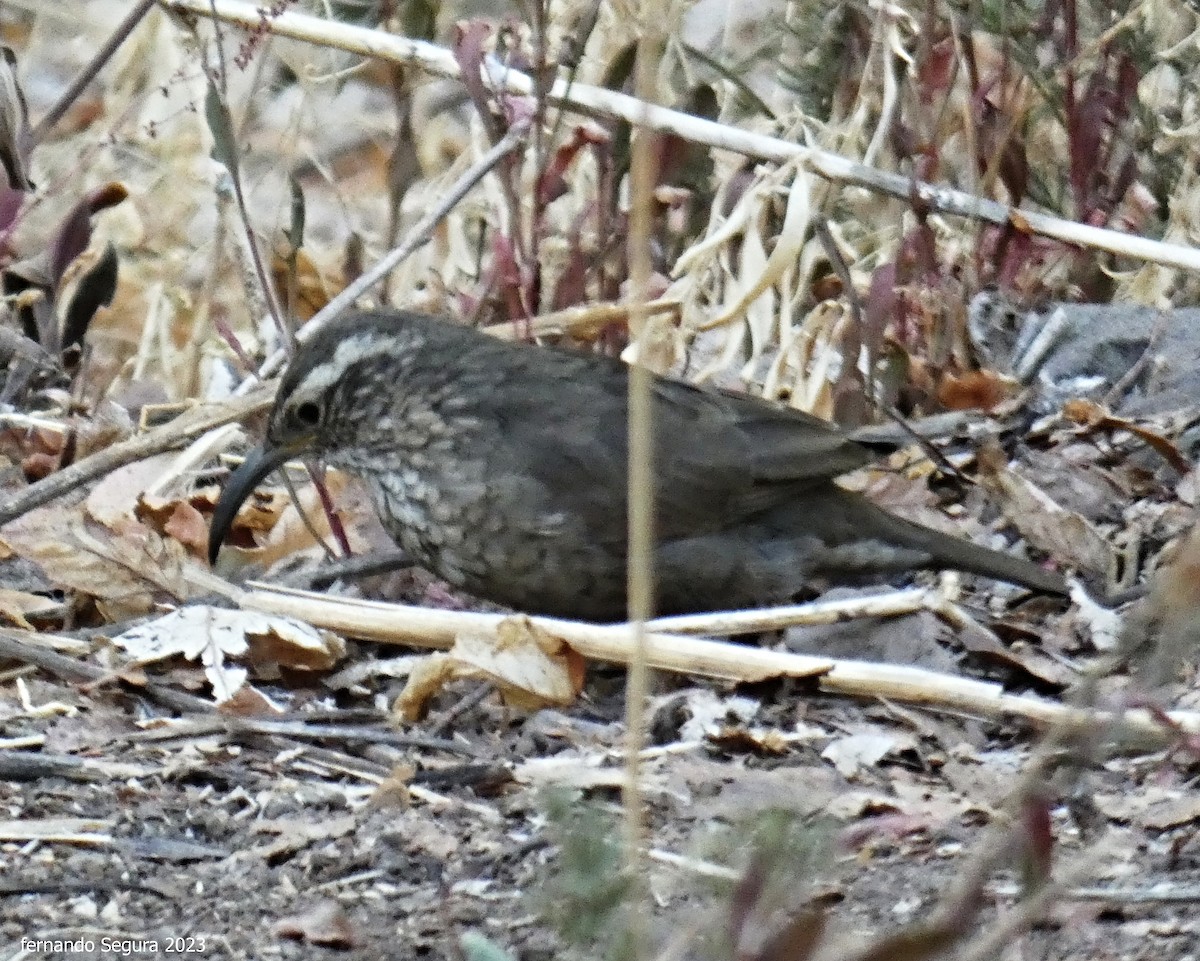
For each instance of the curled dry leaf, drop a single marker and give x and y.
(255, 519)
(124, 573)
(975, 390)
(16, 606)
(865, 748)
(213, 635)
(180, 520)
(326, 925)
(177, 518)
(531, 667)
(1098, 418)
(274, 526)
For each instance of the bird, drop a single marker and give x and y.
(501, 468)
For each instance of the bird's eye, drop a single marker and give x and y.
(308, 413)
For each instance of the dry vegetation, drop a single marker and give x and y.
(943, 770)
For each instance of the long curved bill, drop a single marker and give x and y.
(258, 464)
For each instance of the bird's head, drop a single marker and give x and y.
(337, 401)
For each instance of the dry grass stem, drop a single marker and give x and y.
(584, 321)
(425, 627)
(724, 623)
(420, 234)
(596, 101)
(643, 172)
(187, 427)
(85, 832)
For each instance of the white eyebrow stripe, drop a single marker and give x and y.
(351, 351)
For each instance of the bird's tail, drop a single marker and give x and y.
(926, 547)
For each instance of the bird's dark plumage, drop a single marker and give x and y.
(502, 468)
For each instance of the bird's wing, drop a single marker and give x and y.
(718, 457)
(773, 443)
(563, 441)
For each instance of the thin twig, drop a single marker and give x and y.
(439, 726)
(14, 646)
(595, 101)
(1126, 381)
(427, 627)
(1162, 893)
(93, 67)
(350, 568)
(167, 437)
(219, 87)
(420, 233)
(302, 730)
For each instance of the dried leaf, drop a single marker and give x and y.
(470, 50)
(212, 635)
(95, 289)
(288, 535)
(187, 525)
(16, 605)
(975, 390)
(326, 925)
(709, 712)
(865, 749)
(531, 668)
(70, 241)
(220, 125)
(314, 285)
(16, 138)
(758, 274)
(1044, 523)
(1098, 418)
(81, 557)
(248, 701)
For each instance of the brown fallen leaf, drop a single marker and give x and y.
(256, 517)
(975, 390)
(248, 701)
(16, 605)
(313, 286)
(529, 666)
(187, 525)
(1098, 418)
(126, 575)
(38, 450)
(326, 925)
(215, 635)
